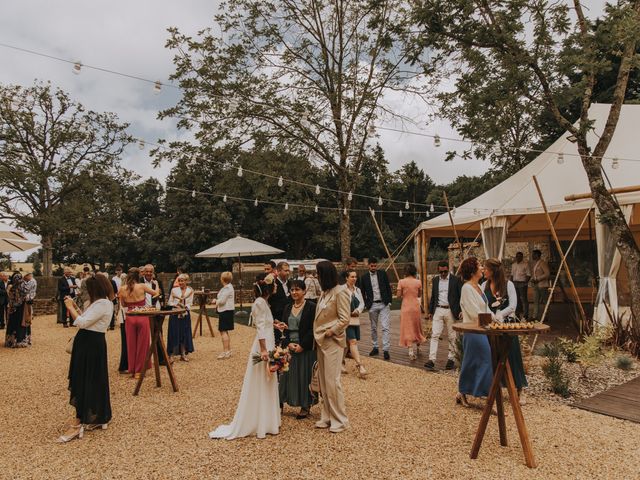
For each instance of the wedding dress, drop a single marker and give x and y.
(258, 411)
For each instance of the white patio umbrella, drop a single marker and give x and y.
(239, 247)
(7, 245)
(10, 233)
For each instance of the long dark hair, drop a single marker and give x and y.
(261, 288)
(327, 275)
(498, 277)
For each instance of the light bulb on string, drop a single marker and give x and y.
(400, 213)
(286, 206)
(344, 211)
(157, 87)
(239, 171)
(560, 159)
(224, 199)
(350, 196)
(436, 140)
(255, 202)
(428, 214)
(453, 212)
(280, 181)
(380, 202)
(317, 189)
(141, 144)
(431, 208)
(90, 173)
(371, 130)
(315, 209)
(77, 68)
(615, 164)
(193, 193)
(406, 205)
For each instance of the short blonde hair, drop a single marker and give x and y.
(226, 277)
(183, 276)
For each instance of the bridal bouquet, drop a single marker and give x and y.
(278, 360)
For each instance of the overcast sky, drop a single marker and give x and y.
(129, 37)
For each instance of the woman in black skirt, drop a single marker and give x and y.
(298, 338)
(225, 305)
(88, 374)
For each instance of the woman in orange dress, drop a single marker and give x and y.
(410, 290)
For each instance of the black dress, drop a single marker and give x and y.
(515, 355)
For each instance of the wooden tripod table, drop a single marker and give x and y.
(500, 341)
(201, 298)
(156, 319)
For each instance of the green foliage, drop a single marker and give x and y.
(568, 349)
(624, 362)
(553, 369)
(589, 351)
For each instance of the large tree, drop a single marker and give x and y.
(48, 143)
(554, 47)
(308, 75)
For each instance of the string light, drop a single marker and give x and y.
(560, 158)
(453, 212)
(428, 214)
(315, 209)
(286, 206)
(141, 144)
(344, 211)
(193, 193)
(239, 171)
(317, 189)
(615, 164)
(157, 87)
(350, 196)
(255, 202)
(436, 140)
(371, 130)
(224, 199)
(406, 205)
(90, 173)
(431, 208)
(77, 68)
(380, 202)
(280, 181)
(400, 213)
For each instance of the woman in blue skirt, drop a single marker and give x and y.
(476, 371)
(179, 339)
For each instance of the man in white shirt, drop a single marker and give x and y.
(444, 309)
(376, 291)
(520, 276)
(117, 278)
(148, 278)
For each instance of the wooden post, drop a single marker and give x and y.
(455, 232)
(384, 244)
(424, 276)
(562, 256)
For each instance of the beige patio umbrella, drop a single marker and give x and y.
(11, 233)
(8, 246)
(239, 247)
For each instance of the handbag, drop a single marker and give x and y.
(69, 346)
(314, 385)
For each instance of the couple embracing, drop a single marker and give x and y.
(258, 411)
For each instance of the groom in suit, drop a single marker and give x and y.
(281, 297)
(376, 291)
(444, 308)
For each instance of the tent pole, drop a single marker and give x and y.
(455, 232)
(384, 244)
(555, 280)
(240, 280)
(562, 256)
(396, 253)
(467, 251)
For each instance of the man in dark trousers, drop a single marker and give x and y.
(281, 297)
(376, 291)
(444, 308)
(4, 298)
(67, 287)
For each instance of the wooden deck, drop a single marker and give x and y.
(622, 401)
(399, 355)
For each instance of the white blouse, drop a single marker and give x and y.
(513, 301)
(226, 299)
(471, 304)
(96, 317)
(177, 298)
(358, 294)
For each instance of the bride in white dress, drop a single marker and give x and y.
(258, 411)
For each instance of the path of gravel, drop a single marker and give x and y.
(404, 425)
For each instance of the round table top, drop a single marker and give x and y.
(157, 313)
(473, 328)
(201, 292)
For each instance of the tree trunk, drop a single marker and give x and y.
(345, 230)
(611, 214)
(47, 256)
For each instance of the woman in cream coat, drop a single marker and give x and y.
(333, 313)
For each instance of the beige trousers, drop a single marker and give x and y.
(333, 412)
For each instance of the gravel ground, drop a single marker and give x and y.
(404, 425)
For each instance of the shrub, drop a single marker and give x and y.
(624, 362)
(553, 371)
(589, 352)
(568, 349)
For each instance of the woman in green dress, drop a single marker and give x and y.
(298, 338)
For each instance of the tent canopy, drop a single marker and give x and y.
(517, 198)
(238, 247)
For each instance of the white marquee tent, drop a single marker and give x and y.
(512, 209)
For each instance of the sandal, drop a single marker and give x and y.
(461, 399)
(304, 413)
